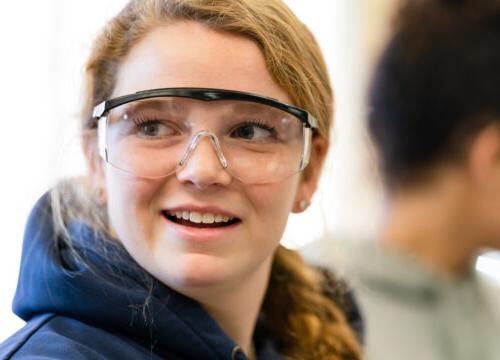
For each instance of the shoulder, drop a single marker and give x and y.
(15, 342)
(56, 337)
(489, 285)
(490, 289)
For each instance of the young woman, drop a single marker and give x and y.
(170, 247)
(436, 122)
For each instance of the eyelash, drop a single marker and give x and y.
(260, 124)
(141, 121)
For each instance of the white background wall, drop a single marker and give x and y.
(44, 45)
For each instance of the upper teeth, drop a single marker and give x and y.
(197, 217)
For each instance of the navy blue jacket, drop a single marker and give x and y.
(75, 310)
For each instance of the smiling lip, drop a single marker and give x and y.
(200, 231)
(202, 209)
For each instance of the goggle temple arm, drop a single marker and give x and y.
(101, 137)
(306, 151)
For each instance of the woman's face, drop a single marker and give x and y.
(187, 54)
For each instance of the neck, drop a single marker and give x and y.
(236, 306)
(432, 226)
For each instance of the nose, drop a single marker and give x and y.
(203, 164)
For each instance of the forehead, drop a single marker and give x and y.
(188, 54)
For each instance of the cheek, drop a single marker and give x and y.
(129, 206)
(272, 205)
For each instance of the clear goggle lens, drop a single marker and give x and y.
(255, 143)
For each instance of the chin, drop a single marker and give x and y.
(198, 271)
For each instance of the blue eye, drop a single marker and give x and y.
(253, 131)
(154, 129)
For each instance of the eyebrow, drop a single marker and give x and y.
(155, 105)
(254, 108)
(181, 105)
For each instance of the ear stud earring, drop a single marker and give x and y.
(304, 204)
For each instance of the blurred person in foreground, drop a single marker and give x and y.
(205, 124)
(435, 121)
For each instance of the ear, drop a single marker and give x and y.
(95, 166)
(311, 175)
(483, 159)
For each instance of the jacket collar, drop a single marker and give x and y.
(110, 290)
